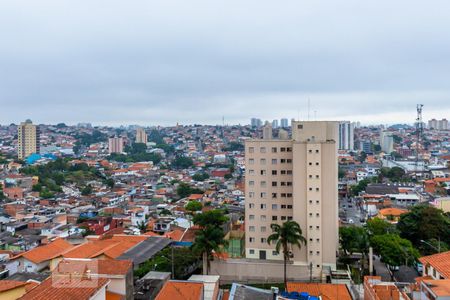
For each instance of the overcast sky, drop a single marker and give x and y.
(157, 62)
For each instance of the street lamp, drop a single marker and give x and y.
(438, 249)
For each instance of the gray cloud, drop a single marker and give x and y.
(162, 62)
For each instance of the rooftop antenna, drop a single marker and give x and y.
(419, 133)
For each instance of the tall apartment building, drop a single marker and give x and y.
(386, 141)
(346, 135)
(141, 135)
(438, 124)
(28, 140)
(294, 179)
(115, 145)
(284, 123)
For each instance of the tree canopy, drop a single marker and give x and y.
(394, 250)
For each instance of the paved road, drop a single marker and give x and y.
(352, 212)
(381, 269)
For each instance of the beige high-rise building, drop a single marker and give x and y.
(141, 135)
(28, 141)
(294, 179)
(115, 145)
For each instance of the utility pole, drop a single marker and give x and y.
(419, 133)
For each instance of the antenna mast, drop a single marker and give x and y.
(419, 133)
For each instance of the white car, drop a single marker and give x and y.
(350, 221)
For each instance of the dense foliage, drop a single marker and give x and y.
(185, 190)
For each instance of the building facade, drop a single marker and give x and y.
(141, 135)
(386, 141)
(115, 145)
(28, 140)
(294, 179)
(346, 135)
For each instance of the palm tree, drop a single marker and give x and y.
(207, 240)
(287, 234)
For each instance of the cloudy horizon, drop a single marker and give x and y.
(196, 62)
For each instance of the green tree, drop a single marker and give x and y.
(394, 250)
(287, 234)
(361, 186)
(142, 226)
(194, 206)
(377, 226)
(182, 162)
(211, 235)
(184, 190)
(200, 176)
(37, 187)
(354, 239)
(87, 190)
(45, 193)
(424, 223)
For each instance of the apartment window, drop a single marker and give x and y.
(262, 161)
(310, 214)
(310, 252)
(310, 151)
(317, 202)
(310, 201)
(274, 218)
(262, 149)
(283, 195)
(263, 218)
(263, 206)
(251, 205)
(263, 240)
(263, 172)
(274, 195)
(310, 226)
(289, 161)
(251, 228)
(310, 176)
(251, 183)
(283, 160)
(251, 239)
(283, 206)
(251, 161)
(289, 149)
(317, 176)
(274, 183)
(289, 183)
(289, 195)
(263, 228)
(251, 172)
(251, 149)
(318, 252)
(251, 217)
(289, 206)
(283, 172)
(317, 189)
(263, 184)
(251, 251)
(289, 218)
(310, 163)
(317, 151)
(283, 183)
(264, 195)
(310, 189)
(282, 149)
(274, 172)
(251, 194)
(318, 266)
(289, 172)
(317, 215)
(318, 240)
(274, 206)
(317, 227)
(274, 149)
(274, 161)
(283, 218)
(274, 253)
(309, 239)
(317, 163)
(300, 126)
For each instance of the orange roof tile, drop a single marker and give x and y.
(440, 288)
(47, 252)
(440, 262)
(392, 211)
(326, 290)
(99, 266)
(175, 235)
(6, 285)
(56, 288)
(181, 290)
(113, 296)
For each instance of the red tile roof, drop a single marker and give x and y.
(181, 290)
(99, 266)
(47, 252)
(440, 262)
(6, 285)
(56, 288)
(328, 291)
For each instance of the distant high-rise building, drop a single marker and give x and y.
(386, 141)
(366, 146)
(294, 179)
(346, 135)
(28, 139)
(438, 124)
(115, 145)
(284, 123)
(275, 124)
(141, 135)
(256, 123)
